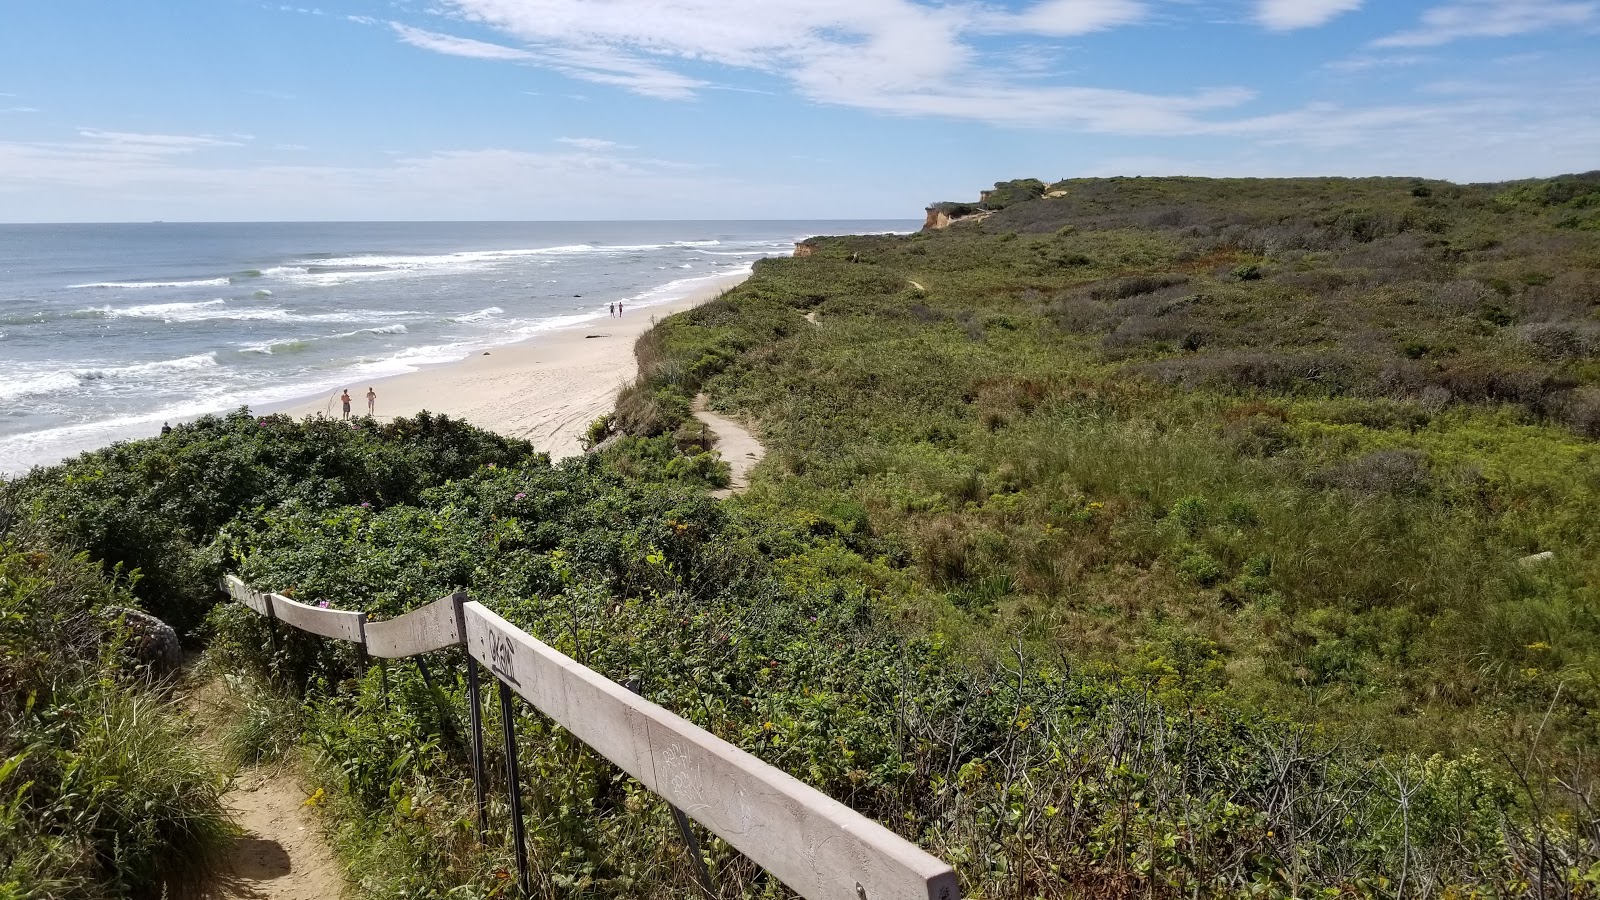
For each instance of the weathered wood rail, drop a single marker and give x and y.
(820, 848)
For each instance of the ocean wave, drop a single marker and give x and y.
(183, 364)
(682, 287)
(292, 345)
(774, 251)
(219, 308)
(64, 380)
(696, 243)
(478, 316)
(393, 261)
(170, 311)
(52, 383)
(203, 282)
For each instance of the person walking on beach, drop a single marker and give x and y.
(611, 309)
(619, 309)
(345, 399)
(372, 400)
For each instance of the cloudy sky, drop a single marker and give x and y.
(596, 109)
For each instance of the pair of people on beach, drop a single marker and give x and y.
(616, 309)
(372, 401)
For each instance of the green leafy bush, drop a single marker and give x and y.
(103, 793)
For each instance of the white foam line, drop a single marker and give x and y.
(203, 282)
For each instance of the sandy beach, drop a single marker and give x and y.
(547, 389)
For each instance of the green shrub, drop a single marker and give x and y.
(105, 793)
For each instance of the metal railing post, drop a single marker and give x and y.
(702, 875)
(475, 711)
(514, 782)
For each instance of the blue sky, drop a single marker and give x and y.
(595, 109)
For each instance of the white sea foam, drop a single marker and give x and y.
(204, 309)
(220, 309)
(477, 316)
(271, 347)
(203, 282)
(470, 257)
(767, 252)
(184, 364)
(38, 385)
(64, 380)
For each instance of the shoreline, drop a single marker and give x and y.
(546, 389)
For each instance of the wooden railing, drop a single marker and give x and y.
(820, 848)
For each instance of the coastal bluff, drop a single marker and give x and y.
(1004, 193)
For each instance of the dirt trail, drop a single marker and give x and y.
(737, 445)
(281, 854)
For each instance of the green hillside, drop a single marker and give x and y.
(1142, 538)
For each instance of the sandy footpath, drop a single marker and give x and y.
(547, 389)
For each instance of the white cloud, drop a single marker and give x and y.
(596, 144)
(19, 109)
(894, 56)
(457, 46)
(1288, 15)
(598, 64)
(1491, 19)
(140, 144)
(1065, 18)
(1364, 63)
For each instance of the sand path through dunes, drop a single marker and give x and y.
(281, 855)
(737, 445)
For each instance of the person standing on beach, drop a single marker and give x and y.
(619, 309)
(611, 309)
(345, 399)
(372, 400)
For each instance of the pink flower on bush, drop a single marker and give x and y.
(519, 496)
(322, 604)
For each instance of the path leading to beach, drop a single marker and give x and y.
(737, 445)
(281, 855)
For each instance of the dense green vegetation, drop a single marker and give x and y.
(1162, 538)
(102, 792)
(1297, 434)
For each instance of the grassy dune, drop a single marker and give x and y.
(1165, 538)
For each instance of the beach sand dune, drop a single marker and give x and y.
(546, 390)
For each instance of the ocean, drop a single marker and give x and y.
(106, 331)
